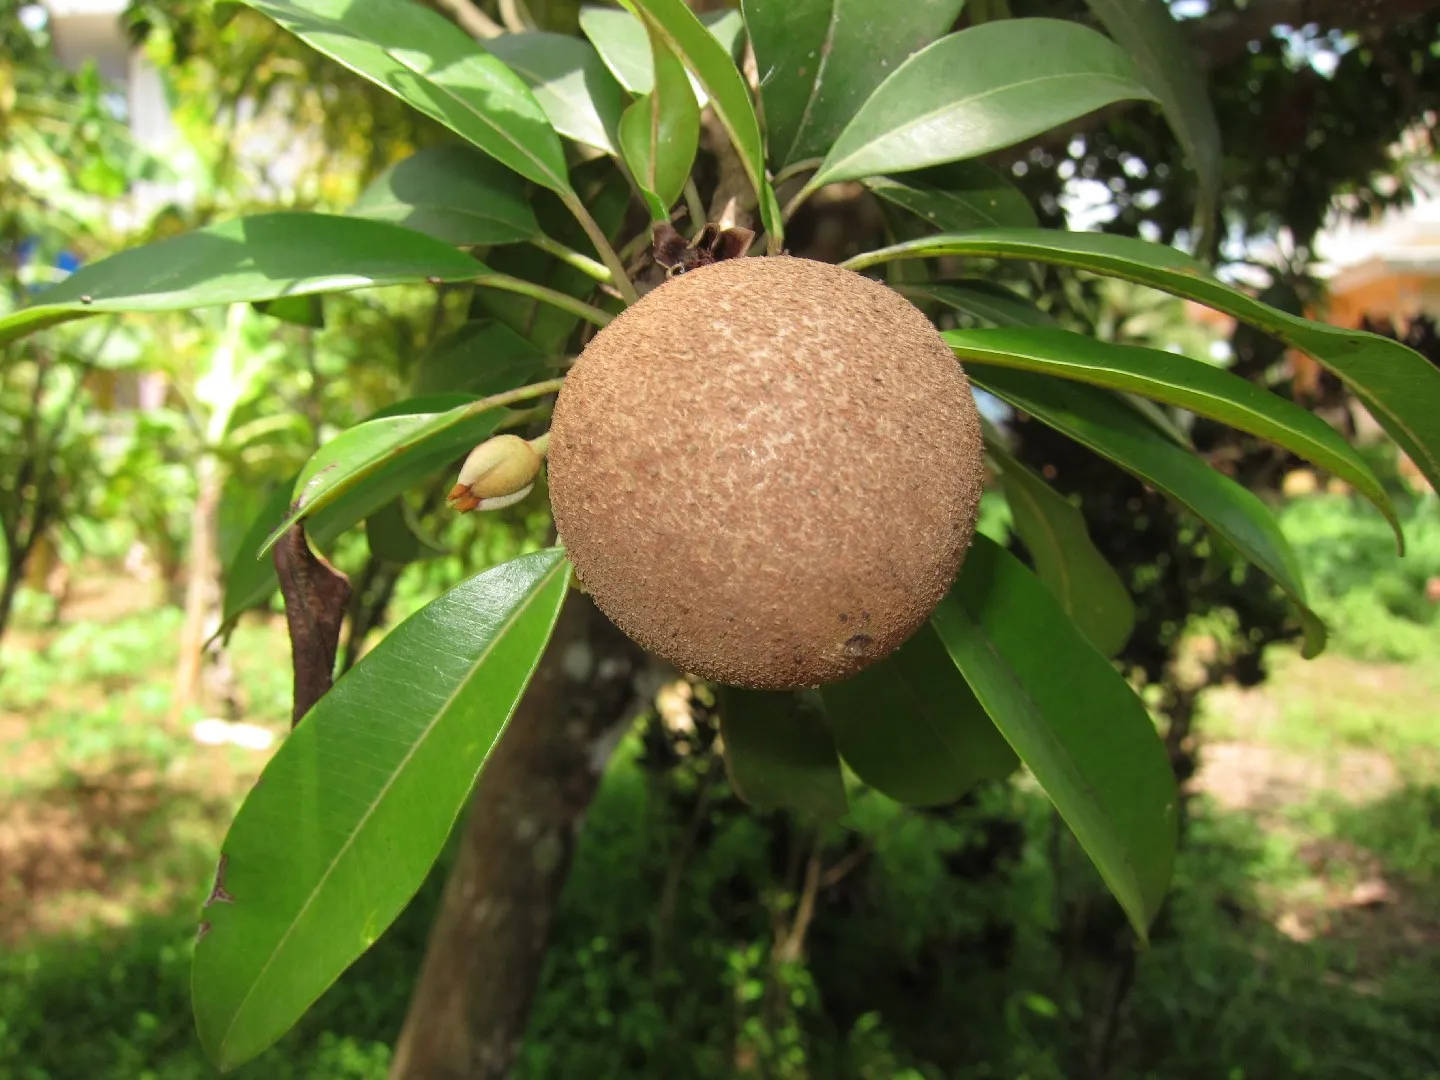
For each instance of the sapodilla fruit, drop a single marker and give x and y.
(767, 471)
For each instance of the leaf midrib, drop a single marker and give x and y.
(440, 713)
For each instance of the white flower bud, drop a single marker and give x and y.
(498, 473)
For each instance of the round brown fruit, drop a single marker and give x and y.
(767, 471)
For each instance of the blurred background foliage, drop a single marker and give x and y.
(693, 937)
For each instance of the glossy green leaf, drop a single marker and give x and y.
(819, 60)
(982, 299)
(1175, 380)
(620, 39)
(660, 133)
(259, 257)
(347, 818)
(392, 536)
(1398, 385)
(437, 69)
(960, 195)
(360, 453)
(910, 727)
(1075, 723)
(979, 90)
(779, 753)
(482, 357)
(455, 194)
(1113, 430)
(1150, 34)
(250, 581)
(1054, 533)
(307, 310)
(576, 90)
(685, 35)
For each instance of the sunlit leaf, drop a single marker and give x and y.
(684, 35)
(577, 92)
(1398, 385)
(260, 257)
(455, 194)
(818, 60)
(434, 67)
(659, 133)
(347, 818)
(620, 39)
(982, 89)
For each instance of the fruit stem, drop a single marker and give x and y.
(520, 393)
(540, 444)
(696, 207)
(795, 168)
(619, 278)
(568, 255)
(561, 300)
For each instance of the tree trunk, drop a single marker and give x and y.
(202, 585)
(470, 1006)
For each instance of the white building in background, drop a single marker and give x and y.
(1387, 269)
(91, 30)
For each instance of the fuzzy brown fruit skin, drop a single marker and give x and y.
(767, 471)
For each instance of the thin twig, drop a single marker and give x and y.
(471, 19)
(554, 297)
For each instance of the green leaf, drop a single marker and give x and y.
(684, 35)
(960, 195)
(344, 823)
(576, 90)
(260, 257)
(1150, 34)
(482, 357)
(1398, 385)
(1176, 380)
(779, 754)
(1053, 531)
(437, 69)
(1073, 720)
(819, 60)
(979, 90)
(620, 39)
(392, 536)
(910, 727)
(982, 299)
(381, 447)
(604, 191)
(1113, 430)
(455, 194)
(249, 582)
(308, 310)
(660, 132)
